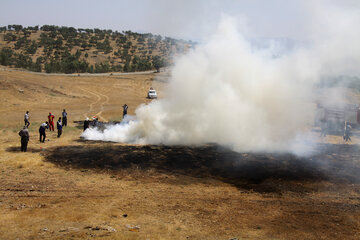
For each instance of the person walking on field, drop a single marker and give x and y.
(59, 127)
(347, 131)
(26, 119)
(42, 129)
(24, 134)
(64, 118)
(51, 121)
(125, 108)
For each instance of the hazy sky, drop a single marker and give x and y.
(188, 19)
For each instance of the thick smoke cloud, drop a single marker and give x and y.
(229, 91)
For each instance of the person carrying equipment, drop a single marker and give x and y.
(64, 118)
(59, 127)
(51, 121)
(125, 108)
(42, 129)
(26, 119)
(24, 134)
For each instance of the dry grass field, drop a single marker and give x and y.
(67, 188)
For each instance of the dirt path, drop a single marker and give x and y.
(78, 74)
(101, 100)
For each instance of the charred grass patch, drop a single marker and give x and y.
(260, 172)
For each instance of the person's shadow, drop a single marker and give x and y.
(18, 149)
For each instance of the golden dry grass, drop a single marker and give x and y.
(70, 189)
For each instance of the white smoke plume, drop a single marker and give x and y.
(229, 92)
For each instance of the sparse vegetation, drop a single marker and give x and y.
(55, 49)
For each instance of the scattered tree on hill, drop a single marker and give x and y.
(34, 29)
(127, 66)
(140, 64)
(6, 56)
(158, 63)
(49, 28)
(15, 27)
(32, 48)
(132, 51)
(104, 46)
(102, 67)
(10, 37)
(23, 61)
(22, 42)
(116, 68)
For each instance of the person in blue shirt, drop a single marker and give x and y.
(59, 127)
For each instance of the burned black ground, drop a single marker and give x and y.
(261, 172)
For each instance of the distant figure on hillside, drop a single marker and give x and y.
(42, 129)
(125, 108)
(51, 121)
(64, 118)
(347, 131)
(24, 134)
(59, 127)
(86, 123)
(26, 119)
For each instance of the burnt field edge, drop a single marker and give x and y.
(261, 172)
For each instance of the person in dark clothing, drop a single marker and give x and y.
(125, 108)
(95, 122)
(26, 119)
(86, 123)
(42, 129)
(59, 127)
(347, 131)
(24, 134)
(64, 118)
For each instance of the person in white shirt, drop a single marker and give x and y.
(42, 129)
(26, 119)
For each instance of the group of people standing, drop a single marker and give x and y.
(50, 124)
(24, 133)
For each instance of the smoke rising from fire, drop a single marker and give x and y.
(228, 91)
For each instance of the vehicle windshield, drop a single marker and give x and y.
(152, 91)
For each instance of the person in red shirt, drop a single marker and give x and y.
(51, 121)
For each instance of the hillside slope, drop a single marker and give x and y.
(69, 50)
